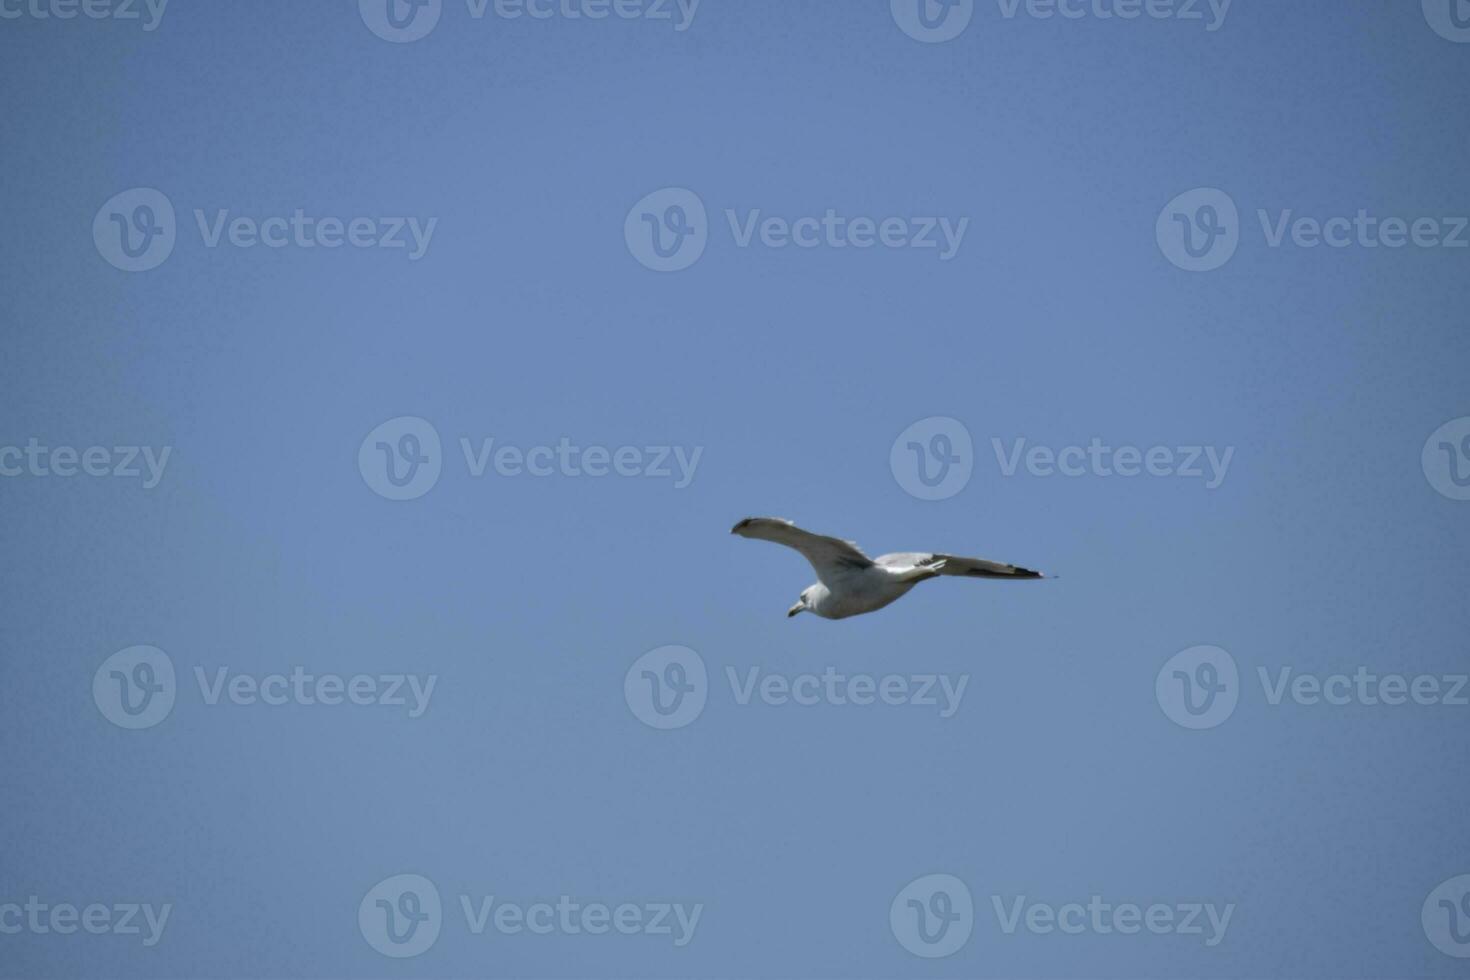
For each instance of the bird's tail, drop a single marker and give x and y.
(925, 570)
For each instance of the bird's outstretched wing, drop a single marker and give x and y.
(954, 565)
(832, 558)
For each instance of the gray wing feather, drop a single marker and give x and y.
(831, 558)
(980, 568)
(954, 565)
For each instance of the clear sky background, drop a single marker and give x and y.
(529, 320)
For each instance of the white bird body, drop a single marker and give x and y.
(850, 583)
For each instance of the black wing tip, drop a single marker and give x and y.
(1018, 574)
(747, 522)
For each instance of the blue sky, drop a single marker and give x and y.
(811, 151)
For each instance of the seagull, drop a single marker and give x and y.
(849, 583)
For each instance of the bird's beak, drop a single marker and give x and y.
(794, 610)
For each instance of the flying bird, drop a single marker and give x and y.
(849, 583)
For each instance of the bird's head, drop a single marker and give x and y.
(806, 602)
